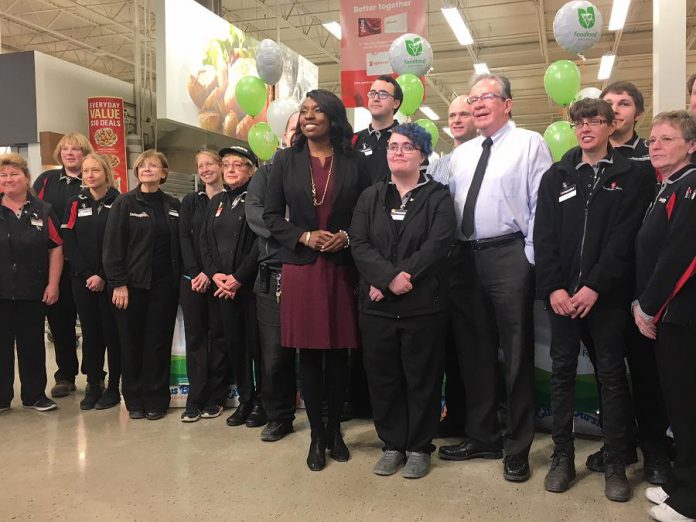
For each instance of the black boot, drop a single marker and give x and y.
(316, 457)
(561, 472)
(337, 448)
(91, 398)
(616, 486)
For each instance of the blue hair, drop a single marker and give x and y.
(420, 137)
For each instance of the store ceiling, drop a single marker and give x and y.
(513, 37)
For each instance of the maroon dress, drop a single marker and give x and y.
(317, 309)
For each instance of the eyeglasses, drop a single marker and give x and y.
(486, 97)
(594, 122)
(382, 95)
(236, 165)
(663, 140)
(405, 148)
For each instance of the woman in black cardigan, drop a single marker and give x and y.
(317, 180)
(400, 235)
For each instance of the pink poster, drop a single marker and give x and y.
(368, 28)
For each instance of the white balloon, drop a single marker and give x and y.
(411, 53)
(589, 92)
(577, 26)
(269, 62)
(279, 111)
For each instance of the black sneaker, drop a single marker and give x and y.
(43, 404)
(136, 414)
(110, 398)
(154, 415)
(62, 389)
(561, 472)
(91, 398)
(211, 411)
(191, 414)
(274, 431)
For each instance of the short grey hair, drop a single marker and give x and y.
(504, 88)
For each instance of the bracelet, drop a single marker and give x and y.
(308, 236)
(347, 238)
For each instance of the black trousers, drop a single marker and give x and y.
(675, 352)
(206, 347)
(61, 318)
(605, 326)
(243, 347)
(404, 361)
(22, 322)
(323, 374)
(279, 381)
(455, 396)
(491, 302)
(146, 329)
(99, 334)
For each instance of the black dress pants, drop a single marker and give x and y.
(279, 381)
(206, 347)
(323, 374)
(675, 352)
(491, 305)
(99, 334)
(61, 318)
(23, 322)
(605, 326)
(146, 329)
(455, 397)
(404, 361)
(243, 347)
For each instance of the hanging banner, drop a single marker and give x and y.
(107, 134)
(368, 29)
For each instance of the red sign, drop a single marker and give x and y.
(368, 29)
(107, 133)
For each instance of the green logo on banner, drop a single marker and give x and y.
(414, 47)
(586, 17)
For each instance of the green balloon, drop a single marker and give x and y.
(560, 138)
(413, 91)
(250, 93)
(262, 141)
(430, 127)
(562, 81)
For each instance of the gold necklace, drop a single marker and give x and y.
(314, 188)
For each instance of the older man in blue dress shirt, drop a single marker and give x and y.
(494, 180)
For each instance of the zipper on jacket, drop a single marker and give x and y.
(584, 229)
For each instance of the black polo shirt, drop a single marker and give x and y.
(636, 151)
(371, 148)
(398, 206)
(589, 174)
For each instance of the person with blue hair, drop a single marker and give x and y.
(400, 234)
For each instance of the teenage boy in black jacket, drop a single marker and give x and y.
(589, 208)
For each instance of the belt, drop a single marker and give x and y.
(489, 242)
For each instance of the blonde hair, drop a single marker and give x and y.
(110, 181)
(152, 154)
(210, 153)
(73, 138)
(12, 159)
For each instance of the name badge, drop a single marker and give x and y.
(82, 212)
(367, 151)
(398, 214)
(38, 223)
(218, 211)
(567, 193)
(139, 214)
(174, 213)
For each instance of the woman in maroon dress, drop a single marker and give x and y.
(317, 180)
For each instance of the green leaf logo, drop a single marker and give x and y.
(414, 47)
(586, 17)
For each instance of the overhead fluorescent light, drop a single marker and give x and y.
(458, 26)
(429, 112)
(334, 28)
(605, 66)
(619, 11)
(481, 68)
(448, 132)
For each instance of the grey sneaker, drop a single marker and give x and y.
(389, 462)
(417, 465)
(62, 389)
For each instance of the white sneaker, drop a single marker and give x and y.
(664, 513)
(656, 495)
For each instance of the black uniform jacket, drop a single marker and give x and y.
(128, 241)
(83, 232)
(269, 248)
(56, 187)
(194, 209)
(228, 245)
(419, 248)
(579, 242)
(666, 252)
(24, 246)
(290, 184)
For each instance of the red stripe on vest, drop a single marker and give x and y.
(53, 233)
(73, 216)
(688, 273)
(669, 207)
(354, 140)
(43, 188)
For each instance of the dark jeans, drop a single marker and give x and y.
(675, 352)
(491, 307)
(206, 347)
(23, 322)
(605, 326)
(61, 318)
(403, 361)
(279, 381)
(146, 329)
(99, 334)
(323, 373)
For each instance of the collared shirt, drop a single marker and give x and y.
(371, 146)
(440, 169)
(636, 151)
(396, 203)
(589, 174)
(507, 200)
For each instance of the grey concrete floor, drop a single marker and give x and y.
(100, 465)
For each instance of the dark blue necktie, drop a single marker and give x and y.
(475, 188)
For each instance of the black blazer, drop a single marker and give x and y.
(290, 185)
